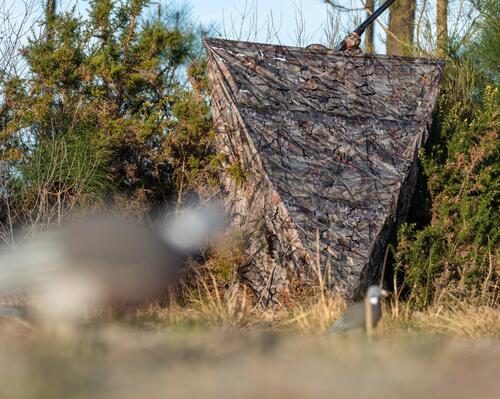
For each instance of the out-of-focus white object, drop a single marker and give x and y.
(101, 262)
(189, 229)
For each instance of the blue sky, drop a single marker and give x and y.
(226, 16)
(224, 12)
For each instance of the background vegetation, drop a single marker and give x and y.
(449, 250)
(111, 110)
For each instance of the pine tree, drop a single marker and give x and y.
(107, 94)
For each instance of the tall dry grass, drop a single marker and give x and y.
(207, 304)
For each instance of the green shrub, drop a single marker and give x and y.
(105, 97)
(456, 253)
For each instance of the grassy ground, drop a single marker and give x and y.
(230, 349)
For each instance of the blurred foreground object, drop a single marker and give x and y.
(102, 262)
(362, 315)
(16, 321)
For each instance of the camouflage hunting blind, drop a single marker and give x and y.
(321, 151)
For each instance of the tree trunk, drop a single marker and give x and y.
(442, 26)
(369, 34)
(401, 27)
(51, 8)
(50, 15)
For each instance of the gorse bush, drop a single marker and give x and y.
(105, 100)
(456, 253)
(455, 256)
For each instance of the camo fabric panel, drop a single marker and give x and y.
(328, 142)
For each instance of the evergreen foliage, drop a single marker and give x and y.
(455, 255)
(108, 94)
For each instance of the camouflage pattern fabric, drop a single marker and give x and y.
(321, 153)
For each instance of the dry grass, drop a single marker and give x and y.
(459, 321)
(208, 307)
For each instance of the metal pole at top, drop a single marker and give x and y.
(354, 37)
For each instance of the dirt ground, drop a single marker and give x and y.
(121, 362)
